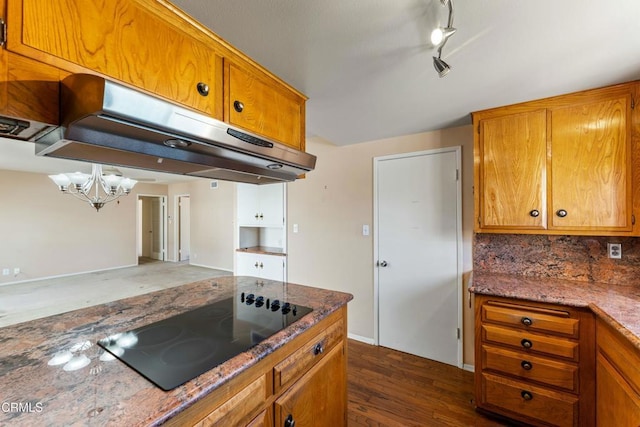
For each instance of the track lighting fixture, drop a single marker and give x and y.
(439, 37)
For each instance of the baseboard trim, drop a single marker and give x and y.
(360, 338)
(210, 267)
(58, 276)
(470, 368)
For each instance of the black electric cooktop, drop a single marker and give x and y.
(177, 349)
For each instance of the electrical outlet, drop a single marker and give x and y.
(5, 272)
(16, 271)
(614, 250)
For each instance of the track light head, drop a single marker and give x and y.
(441, 67)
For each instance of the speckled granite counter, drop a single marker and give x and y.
(109, 392)
(618, 305)
(265, 250)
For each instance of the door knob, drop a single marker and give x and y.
(290, 422)
(561, 213)
(382, 263)
(534, 213)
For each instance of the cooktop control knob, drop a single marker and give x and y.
(260, 301)
(286, 308)
(250, 299)
(275, 305)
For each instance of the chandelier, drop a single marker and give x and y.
(108, 185)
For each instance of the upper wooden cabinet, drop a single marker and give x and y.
(125, 40)
(255, 103)
(560, 165)
(154, 46)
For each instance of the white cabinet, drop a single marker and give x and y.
(270, 267)
(261, 205)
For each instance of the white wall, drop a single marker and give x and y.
(47, 233)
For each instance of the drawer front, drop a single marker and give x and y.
(537, 403)
(531, 343)
(235, 410)
(531, 368)
(531, 318)
(308, 355)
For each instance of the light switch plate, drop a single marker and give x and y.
(365, 230)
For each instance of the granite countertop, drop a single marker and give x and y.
(618, 305)
(265, 250)
(109, 392)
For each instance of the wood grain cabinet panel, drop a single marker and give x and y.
(512, 150)
(121, 39)
(560, 165)
(260, 105)
(543, 377)
(617, 379)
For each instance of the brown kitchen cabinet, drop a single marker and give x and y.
(154, 46)
(560, 165)
(617, 379)
(306, 378)
(535, 362)
(130, 41)
(259, 104)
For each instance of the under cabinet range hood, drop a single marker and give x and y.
(106, 122)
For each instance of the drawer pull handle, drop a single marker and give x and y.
(526, 365)
(318, 349)
(526, 395)
(526, 321)
(289, 422)
(526, 343)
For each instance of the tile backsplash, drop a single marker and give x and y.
(582, 258)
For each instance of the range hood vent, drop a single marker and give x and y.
(106, 122)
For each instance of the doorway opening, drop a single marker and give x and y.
(183, 226)
(151, 227)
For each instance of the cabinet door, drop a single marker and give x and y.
(512, 152)
(248, 205)
(272, 205)
(122, 39)
(272, 267)
(617, 403)
(247, 264)
(263, 106)
(319, 397)
(590, 166)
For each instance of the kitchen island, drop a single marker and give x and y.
(108, 392)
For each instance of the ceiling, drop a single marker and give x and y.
(366, 65)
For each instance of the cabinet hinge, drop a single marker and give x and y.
(633, 103)
(457, 174)
(633, 219)
(458, 333)
(3, 32)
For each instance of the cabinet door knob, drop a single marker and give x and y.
(238, 106)
(318, 349)
(203, 88)
(526, 365)
(535, 213)
(526, 343)
(289, 422)
(526, 395)
(261, 265)
(256, 264)
(526, 321)
(257, 216)
(261, 216)
(561, 213)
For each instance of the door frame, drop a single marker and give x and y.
(176, 224)
(163, 200)
(376, 294)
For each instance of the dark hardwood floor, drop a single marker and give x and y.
(391, 388)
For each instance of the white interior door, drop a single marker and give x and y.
(184, 215)
(418, 219)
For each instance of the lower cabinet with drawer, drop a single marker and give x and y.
(304, 383)
(535, 362)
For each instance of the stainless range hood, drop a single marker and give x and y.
(106, 122)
